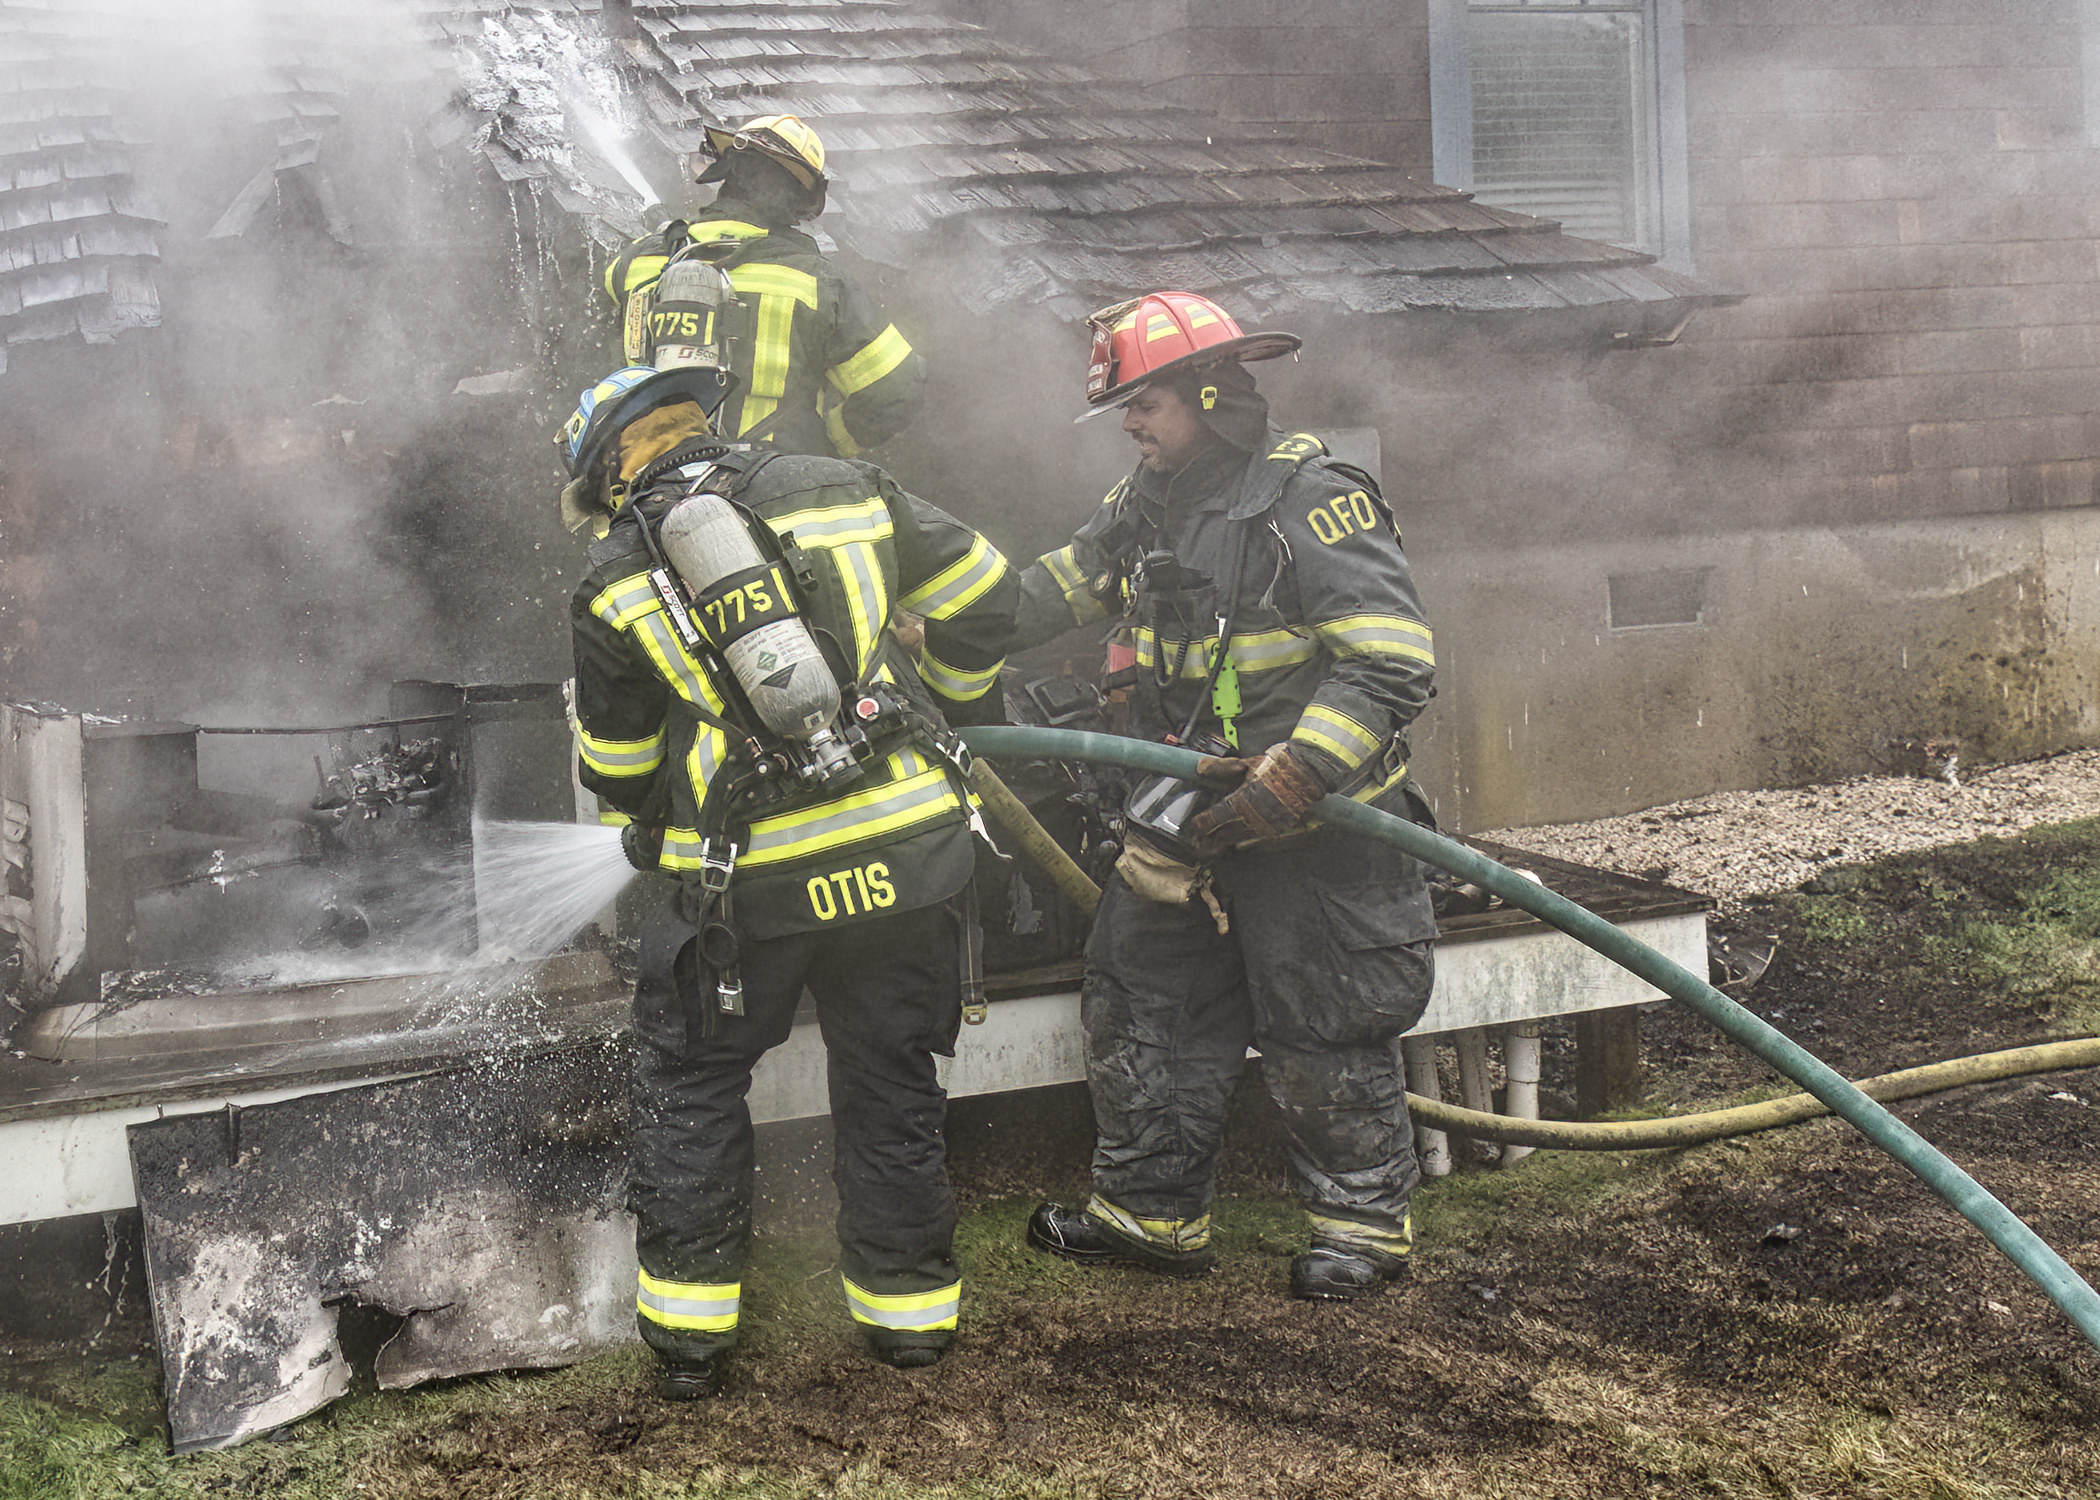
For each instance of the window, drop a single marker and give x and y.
(1568, 109)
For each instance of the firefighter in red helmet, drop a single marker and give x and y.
(1275, 626)
(820, 368)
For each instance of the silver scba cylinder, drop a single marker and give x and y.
(777, 661)
(685, 309)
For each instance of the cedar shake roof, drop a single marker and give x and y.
(78, 235)
(1026, 179)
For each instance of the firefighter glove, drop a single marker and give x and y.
(643, 846)
(1276, 791)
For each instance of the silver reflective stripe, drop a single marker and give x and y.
(623, 598)
(867, 521)
(688, 1308)
(670, 655)
(826, 831)
(980, 570)
(860, 570)
(644, 754)
(942, 1313)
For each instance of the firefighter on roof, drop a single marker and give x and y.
(820, 369)
(740, 698)
(1275, 625)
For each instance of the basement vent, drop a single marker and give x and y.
(1676, 596)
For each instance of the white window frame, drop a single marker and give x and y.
(1451, 116)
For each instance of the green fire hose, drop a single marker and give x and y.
(2004, 1228)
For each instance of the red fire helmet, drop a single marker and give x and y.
(1136, 342)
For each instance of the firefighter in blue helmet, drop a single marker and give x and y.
(821, 369)
(1275, 624)
(741, 699)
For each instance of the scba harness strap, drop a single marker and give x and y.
(1261, 488)
(879, 720)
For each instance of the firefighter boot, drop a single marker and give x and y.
(689, 1380)
(1331, 1272)
(1089, 1240)
(905, 1349)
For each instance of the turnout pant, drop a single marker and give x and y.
(888, 997)
(1328, 961)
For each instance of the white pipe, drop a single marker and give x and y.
(1475, 1089)
(1520, 1067)
(1432, 1147)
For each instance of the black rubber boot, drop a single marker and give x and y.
(1074, 1235)
(905, 1350)
(1333, 1273)
(684, 1381)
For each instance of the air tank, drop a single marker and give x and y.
(778, 664)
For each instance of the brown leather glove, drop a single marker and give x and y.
(1276, 791)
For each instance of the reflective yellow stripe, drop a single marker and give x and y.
(851, 819)
(1348, 757)
(620, 757)
(776, 281)
(681, 845)
(681, 849)
(1378, 635)
(1266, 650)
(953, 682)
(701, 1306)
(1195, 662)
(710, 749)
(830, 525)
(906, 1312)
(1063, 567)
(849, 533)
(1348, 1231)
(1177, 1234)
(706, 231)
(883, 353)
(959, 585)
(620, 603)
(633, 606)
(1371, 790)
(1339, 735)
(1261, 651)
(835, 429)
(779, 290)
(867, 597)
(641, 271)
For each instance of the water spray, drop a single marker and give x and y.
(537, 885)
(611, 148)
(2005, 1229)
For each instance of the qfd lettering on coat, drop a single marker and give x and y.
(1342, 516)
(851, 893)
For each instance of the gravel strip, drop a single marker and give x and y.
(1734, 845)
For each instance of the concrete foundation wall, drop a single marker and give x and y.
(1817, 652)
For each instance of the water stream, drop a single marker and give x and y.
(537, 885)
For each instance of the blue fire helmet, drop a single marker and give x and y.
(628, 394)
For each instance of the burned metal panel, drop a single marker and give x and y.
(482, 1205)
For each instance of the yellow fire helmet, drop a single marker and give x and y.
(784, 138)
